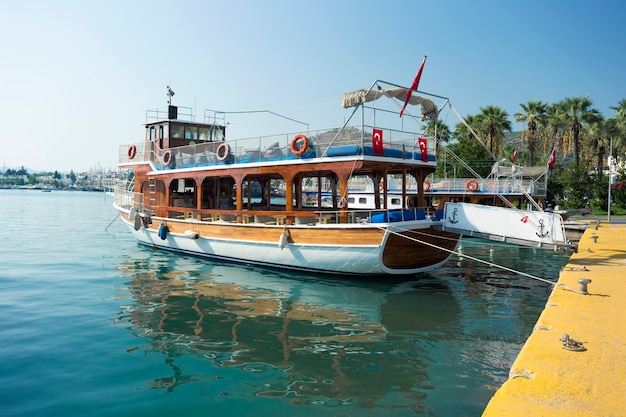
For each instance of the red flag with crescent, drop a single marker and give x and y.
(423, 144)
(377, 142)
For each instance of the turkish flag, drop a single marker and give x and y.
(377, 142)
(423, 143)
(416, 82)
(552, 159)
(514, 156)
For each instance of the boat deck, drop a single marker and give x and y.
(547, 379)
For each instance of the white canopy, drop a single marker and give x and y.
(500, 170)
(355, 98)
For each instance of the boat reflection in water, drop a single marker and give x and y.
(244, 338)
(310, 340)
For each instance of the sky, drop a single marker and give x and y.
(78, 76)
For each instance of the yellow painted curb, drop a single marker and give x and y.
(548, 380)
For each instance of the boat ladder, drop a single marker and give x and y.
(152, 196)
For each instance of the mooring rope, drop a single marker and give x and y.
(459, 254)
(106, 229)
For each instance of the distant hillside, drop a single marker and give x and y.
(513, 138)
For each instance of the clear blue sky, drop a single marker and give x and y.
(78, 75)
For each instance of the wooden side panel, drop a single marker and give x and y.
(314, 235)
(408, 253)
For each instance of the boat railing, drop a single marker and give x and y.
(296, 217)
(511, 185)
(365, 216)
(320, 143)
(182, 113)
(124, 196)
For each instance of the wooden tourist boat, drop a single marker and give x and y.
(188, 191)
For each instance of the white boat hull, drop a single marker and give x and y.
(357, 259)
(524, 227)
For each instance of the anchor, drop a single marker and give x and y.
(453, 220)
(541, 233)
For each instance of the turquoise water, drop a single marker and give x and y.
(94, 324)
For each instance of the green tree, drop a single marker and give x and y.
(618, 131)
(579, 113)
(556, 125)
(618, 191)
(576, 185)
(492, 122)
(620, 114)
(534, 114)
(470, 149)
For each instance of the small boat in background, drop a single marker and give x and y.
(520, 186)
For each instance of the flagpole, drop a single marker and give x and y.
(608, 219)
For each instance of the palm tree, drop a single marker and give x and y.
(579, 113)
(556, 124)
(598, 141)
(461, 130)
(619, 132)
(470, 149)
(620, 114)
(535, 116)
(493, 121)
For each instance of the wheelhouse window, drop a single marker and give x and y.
(178, 131)
(191, 132)
(217, 135)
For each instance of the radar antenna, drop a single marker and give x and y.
(170, 94)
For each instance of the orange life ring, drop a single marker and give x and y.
(426, 185)
(132, 151)
(296, 149)
(471, 185)
(167, 158)
(223, 152)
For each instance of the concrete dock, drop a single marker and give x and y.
(585, 375)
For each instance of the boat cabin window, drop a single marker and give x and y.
(178, 132)
(184, 186)
(191, 132)
(218, 135)
(395, 201)
(195, 133)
